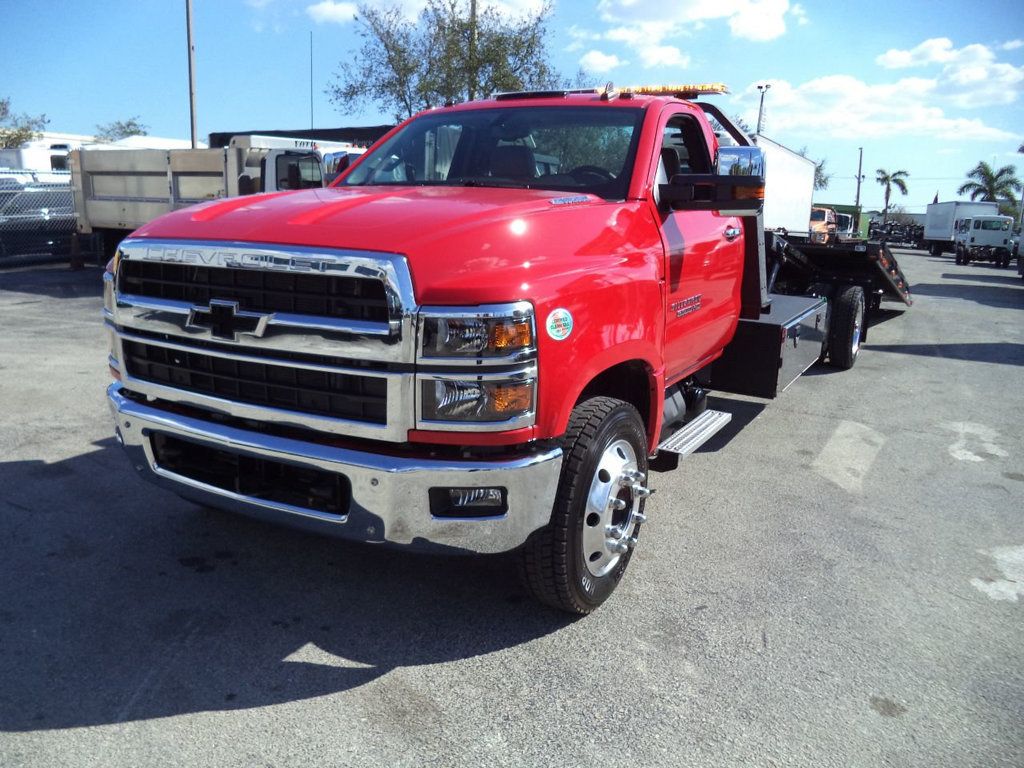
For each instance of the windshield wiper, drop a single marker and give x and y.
(485, 181)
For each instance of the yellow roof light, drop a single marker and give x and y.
(687, 91)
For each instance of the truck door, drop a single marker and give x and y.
(703, 255)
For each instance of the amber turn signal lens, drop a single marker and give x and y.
(512, 334)
(749, 193)
(512, 398)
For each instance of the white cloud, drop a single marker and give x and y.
(579, 33)
(969, 77)
(1012, 45)
(759, 20)
(799, 13)
(330, 12)
(596, 61)
(844, 107)
(645, 39)
(341, 12)
(749, 19)
(935, 50)
(662, 56)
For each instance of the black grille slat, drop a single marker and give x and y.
(339, 395)
(334, 296)
(299, 486)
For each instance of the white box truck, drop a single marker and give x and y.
(788, 189)
(941, 221)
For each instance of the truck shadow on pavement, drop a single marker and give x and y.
(743, 412)
(1004, 279)
(999, 352)
(58, 282)
(992, 296)
(123, 603)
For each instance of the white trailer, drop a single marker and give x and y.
(788, 189)
(118, 190)
(941, 220)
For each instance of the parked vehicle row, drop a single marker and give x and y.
(35, 219)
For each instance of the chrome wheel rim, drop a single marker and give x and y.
(612, 516)
(858, 323)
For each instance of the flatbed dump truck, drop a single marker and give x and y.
(484, 336)
(118, 190)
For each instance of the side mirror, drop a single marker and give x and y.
(735, 189)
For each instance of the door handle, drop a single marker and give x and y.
(731, 233)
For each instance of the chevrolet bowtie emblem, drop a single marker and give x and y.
(224, 320)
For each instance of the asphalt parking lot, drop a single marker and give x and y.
(837, 580)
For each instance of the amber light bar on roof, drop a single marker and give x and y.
(687, 91)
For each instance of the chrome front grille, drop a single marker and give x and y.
(322, 392)
(316, 338)
(316, 295)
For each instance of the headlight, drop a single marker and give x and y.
(477, 332)
(478, 399)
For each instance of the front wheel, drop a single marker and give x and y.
(846, 327)
(577, 560)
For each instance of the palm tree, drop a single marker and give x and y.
(888, 181)
(989, 185)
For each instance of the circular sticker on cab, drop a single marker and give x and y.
(559, 324)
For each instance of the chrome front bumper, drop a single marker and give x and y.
(390, 502)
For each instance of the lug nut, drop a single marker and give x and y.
(639, 517)
(632, 542)
(618, 504)
(630, 476)
(617, 546)
(640, 492)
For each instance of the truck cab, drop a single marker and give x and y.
(984, 238)
(823, 225)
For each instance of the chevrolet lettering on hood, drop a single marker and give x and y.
(234, 259)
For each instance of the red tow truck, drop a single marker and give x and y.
(483, 337)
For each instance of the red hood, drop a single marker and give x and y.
(463, 244)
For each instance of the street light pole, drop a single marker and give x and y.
(191, 71)
(760, 110)
(860, 178)
(311, 79)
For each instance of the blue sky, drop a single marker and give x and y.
(928, 87)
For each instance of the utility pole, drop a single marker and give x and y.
(191, 71)
(860, 178)
(760, 110)
(472, 74)
(311, 79)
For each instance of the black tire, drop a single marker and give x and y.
(959, 255)
(553, 564)
(846, 327)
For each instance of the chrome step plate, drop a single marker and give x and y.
(696, 433)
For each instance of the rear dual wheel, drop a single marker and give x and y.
(577, 560)
(846, 327)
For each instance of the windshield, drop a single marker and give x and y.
(575, 149)
(817, 215)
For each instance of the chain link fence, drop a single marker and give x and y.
(37, 218)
